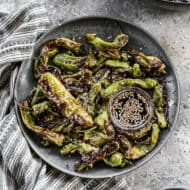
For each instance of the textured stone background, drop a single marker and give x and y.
(170, 167)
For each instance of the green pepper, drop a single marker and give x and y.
(102, 120)
(137, 134)
(88, 100)
(61, 42)
(69, 148)
(151, 65)
(55, 91)
(42, 107)
(118, 64)
(37, 96)
(117, 159)
(28, 120)
(138, 151)
(91, 61)
(94, 91)
(81, 147)
(119, 42)
(97, 155)
(109, 54)
(137, 73)
(159, 103)
(161, 118)
(67, 62)
(147, 83)
(158, 96)
(85, 73)
(97, 138)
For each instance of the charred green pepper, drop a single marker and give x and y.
(28, 120)
(55, 91)
(147, 83)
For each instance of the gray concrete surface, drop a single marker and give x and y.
(170, 167)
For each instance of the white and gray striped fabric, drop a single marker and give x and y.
(21, 168)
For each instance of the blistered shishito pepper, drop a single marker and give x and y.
(138, 151)
(39, 67)
(37, 96)
(94, 91)
(45, 57)
(96, 137)
(137, 73)
(109, 50)
(28, 120)
(161, 118)
(42, 107)
(91, 61)
(61, 42)
(109, 54)
(118, 64)
(83, 74)
(88, 99)
(50, 49)
(97, 155)
(158, 96)
(147, 83)
(55, 91)
(137, 134)
(150, 64)
(41, 63)
(117, 159)
(73, 63)
(102, 120)
(81, 147)
(120, 41)
(159, 103)
(67, 62)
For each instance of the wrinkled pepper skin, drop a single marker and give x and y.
(94, 91)
(110, 54)
(95, 156)
(83, 74)
(161, 118)
(66, 61)
(147, 83)
(151, 65)
(61, 42)
(96, 138)
(118, 64)
(137, 134)
(42, 107)
(81, 147)
(120, 41)
(102, 120)
(117, 159)
(28, 120)
(138, 151)
(55, 91)
(73, 63)
(137, 73)
(159, 103)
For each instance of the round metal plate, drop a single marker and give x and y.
(106, 28)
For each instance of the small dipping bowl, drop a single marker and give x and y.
(130, 108)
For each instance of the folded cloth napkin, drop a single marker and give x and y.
(21, 168)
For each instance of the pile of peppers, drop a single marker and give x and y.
(69, 106)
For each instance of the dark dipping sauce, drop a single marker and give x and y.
(131, 108)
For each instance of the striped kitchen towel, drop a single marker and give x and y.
(22, 169)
